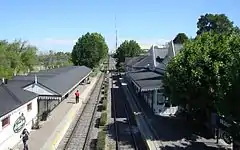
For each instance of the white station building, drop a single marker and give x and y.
(24, 99)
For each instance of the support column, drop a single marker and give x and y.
(154, 104)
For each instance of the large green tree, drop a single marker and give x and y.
(205, 74)
(217, 23)
(127, 49)
(180, 38)
(89, 50)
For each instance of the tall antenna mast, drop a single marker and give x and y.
(116, 32)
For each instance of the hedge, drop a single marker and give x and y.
(105, 95)
(101, 140)
(104, 104)
(103, 119)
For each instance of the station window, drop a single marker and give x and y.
(160, 99)
(29, 107)
(5, 122)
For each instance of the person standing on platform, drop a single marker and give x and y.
(24, 137)
(77, 96)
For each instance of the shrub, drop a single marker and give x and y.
(101, 100)
(105, 94)
(103, 119)
(103, 91)
(101, 140)
(104, 104)
(106, 88)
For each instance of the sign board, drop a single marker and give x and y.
(19, 123)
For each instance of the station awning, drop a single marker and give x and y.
(147, 80)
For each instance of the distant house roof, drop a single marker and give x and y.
(160, 52)
(161, 67)
(178, 47)
(130, 61)
(13, 96)
(147, 80)
(59, 80)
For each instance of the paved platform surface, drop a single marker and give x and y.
(52, 130)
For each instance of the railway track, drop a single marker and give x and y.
(124, 120)
(79, 137)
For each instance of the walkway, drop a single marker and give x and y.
(52, 131)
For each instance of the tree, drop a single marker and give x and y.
(229, 105)
(16, 57)
(29, 57)
(180, 38)
(217, 23)
(204, 73)
(127, 49)
(89, 50)
(55, 59)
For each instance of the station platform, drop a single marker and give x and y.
(52, 131)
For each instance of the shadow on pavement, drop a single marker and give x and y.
(123, 132)
(71, 102)
(93, 144)
(194, 146)
(97, 123)
(118, 99)
(99, 108)
(175, 130)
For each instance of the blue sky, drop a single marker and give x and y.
(57, 24)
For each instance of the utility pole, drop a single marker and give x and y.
(116, 33)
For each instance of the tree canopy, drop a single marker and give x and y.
(127, 49)
(217, 23)
(89, 50)
(180, 38)
(16, 57)
(205, 74)
(54, 59)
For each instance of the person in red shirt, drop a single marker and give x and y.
(77, 96)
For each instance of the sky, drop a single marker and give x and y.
(57, 24)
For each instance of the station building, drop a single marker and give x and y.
(25, 98)
(145, 75)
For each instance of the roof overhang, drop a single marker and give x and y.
(77, 83)
(145, 89)
(49, 97)
(147, 84)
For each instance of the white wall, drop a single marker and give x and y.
(161, 109)
(39, 90)
(8, 139)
